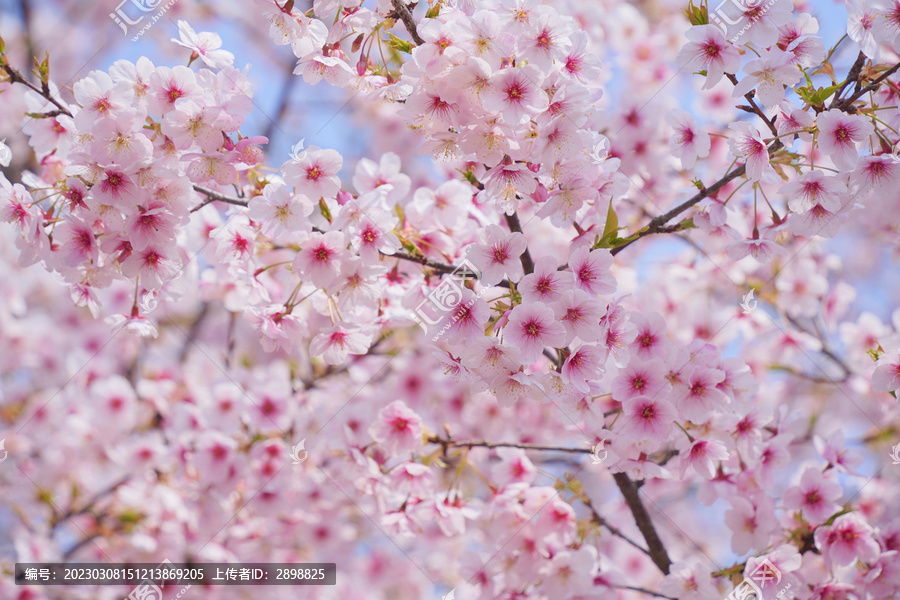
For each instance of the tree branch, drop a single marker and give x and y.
(644, 591)
(212, 196)
(845, 105)
(754, 108)
(16, 77)
(613, 530)
(483, 444)
(403, 12)
(642, 518)
(513, 222)
(852, 75)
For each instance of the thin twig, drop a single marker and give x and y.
(756, 109)
(212, 196)
(16, 77)
(446, 442)
(613, 530)
(644, 591)
(845, 105)
(852, 76)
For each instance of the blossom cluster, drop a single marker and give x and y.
(258, 301)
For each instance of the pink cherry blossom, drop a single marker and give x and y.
(815, 496)
(320, 258)
(531, 328)
(498, 256)
(516, 94)
(839, 135)
(689, 141)
(335, 343)
(709, 51)
(749, 145)
(847, 540)
(397, 428)
(205, 44)
(591, 271)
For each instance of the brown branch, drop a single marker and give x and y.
(824, 350)
(513, 222)
(212, 196)
(613, 530)
(845, 105)
(754, 108)
(644, 591)
(446, 442)
(852, 76)
(403, 12)
(16, 77)
(642, 518)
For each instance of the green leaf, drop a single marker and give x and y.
(822, 95)
(612, 221)
(697, 15)
(808, 80)
(470, 177)
(398, 44)
(818, 96)
(433, 12)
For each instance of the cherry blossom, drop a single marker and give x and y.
(708, 50)
(205, 44)
(497, 311)
(839, 134)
